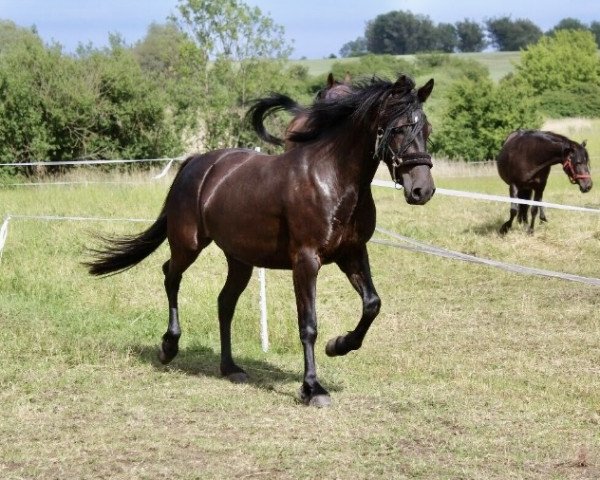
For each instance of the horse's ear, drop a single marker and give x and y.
(403, 83)
(424, 92)
(330, 80)
(348, 78)
(584, 143)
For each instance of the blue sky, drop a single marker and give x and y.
(318, 27)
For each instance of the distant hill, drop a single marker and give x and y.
(498, 63)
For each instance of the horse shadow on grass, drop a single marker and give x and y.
(490, 228)
(201, 361)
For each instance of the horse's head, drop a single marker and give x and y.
(402, 139)
(576, 164)
(334, 89)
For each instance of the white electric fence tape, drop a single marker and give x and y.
(89, 162)
(415, 245)
(493, 198)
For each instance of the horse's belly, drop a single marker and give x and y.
(253, 237)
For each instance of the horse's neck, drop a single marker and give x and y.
(556, 158)
(357, 165)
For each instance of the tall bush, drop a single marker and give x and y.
(557, 62)
(479, 115)
(96, 105)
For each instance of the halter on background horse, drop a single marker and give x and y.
(308, 207)
(524, 163)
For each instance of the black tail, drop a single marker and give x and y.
(121, 253)
(264, 107)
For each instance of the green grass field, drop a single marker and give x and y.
(468, 372)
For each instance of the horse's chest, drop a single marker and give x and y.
(350, 225)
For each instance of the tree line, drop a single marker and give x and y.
(188, 83)
(403, 32)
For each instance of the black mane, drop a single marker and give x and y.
(359, 109)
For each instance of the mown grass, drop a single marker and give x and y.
(469, 372)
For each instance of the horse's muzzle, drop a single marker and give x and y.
(419, 195)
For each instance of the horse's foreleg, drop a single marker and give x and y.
(514, 208)
(305, 269)
(238, 276)
(356, 267)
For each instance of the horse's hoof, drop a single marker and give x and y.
(320, 401)
(330, 348)
(238, 377)
(163, 357)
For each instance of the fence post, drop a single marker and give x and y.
(262, 299)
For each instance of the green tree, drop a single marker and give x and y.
(567, 58)
(354, 48)
(446, 38)
(246, 50)
(11, 35)
(160, 52)
(174, 63)
(568, 24)
(508, 35)
(400, 32)
(24, 136)
(98, 104)
(131, 113)
(479, 115)
(471, 37)
(595, 29)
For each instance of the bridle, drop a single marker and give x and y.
(569, 169)
(399, 158)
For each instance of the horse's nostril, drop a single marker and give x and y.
(417, 193)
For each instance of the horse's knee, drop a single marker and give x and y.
(308, 334)
(372, 306)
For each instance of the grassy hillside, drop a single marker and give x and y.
(498, 63)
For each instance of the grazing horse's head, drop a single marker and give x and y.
(576, 164)
(402, 135)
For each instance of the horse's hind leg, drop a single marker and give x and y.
(524, 194)
(238, 276)
(356, 267)
(514, 208)
(534, 209)
(173, 269)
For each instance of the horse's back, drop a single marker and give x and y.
(241, 206)
(522, 152)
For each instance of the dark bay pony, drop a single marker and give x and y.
(524, 163)
(308, 207)
(267, 106)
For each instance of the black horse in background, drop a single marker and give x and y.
(300, 210)
(524, 163)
